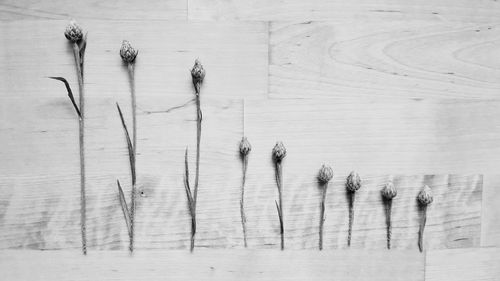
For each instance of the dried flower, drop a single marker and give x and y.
(245, 149)
(245, 146)
(73, 32)
(279, 151)
(325, 173)
(425, 198)
(389, 192)
(353, 183)
(198, 74)
(127, 52)
(75, 35)
(324, 176)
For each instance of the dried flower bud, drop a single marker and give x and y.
(353, 182)
(127, 52)
(425, 195)
(245, 146)
(73, 32)
(197, 73)
(325, 173)
(279, 151)
(389, 191)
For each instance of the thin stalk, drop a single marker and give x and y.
(81, 131)
(322, 216)
(242, 201)
(279, 182)
(197, 172)
(131, 75)
(388, 212)
(351, 217)
(422, 227)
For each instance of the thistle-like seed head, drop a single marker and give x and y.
(127, 52)
(197, 73)
(425, 196)
(353, 182)
(73, 32)
(245, 146)
(279, 151)
(389, 191)
(325, 173)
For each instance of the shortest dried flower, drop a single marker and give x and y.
(353, 182)
(389, 191)
(279, 151)
(127, 52)
(197, 73)
(425, 196)
(245, 146)
(325, 173)
(73, 32)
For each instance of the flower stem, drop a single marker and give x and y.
(279, 182)
(322, 216)
(130, 67)
(388, 211)
(422, 227)
(351, 217)
(81, 132)
(242, 201)
(197, 175)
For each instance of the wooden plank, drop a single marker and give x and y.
(39, 176)
(384, 58)
(359, 10)
(463, 264)
(490, 217)
(213, 265)
(234, 56)
(60, 9)
(377, 136)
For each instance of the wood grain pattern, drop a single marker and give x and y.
(234, 56)
(384, 58)
(463, 264)
(490, 217)
(377, 136)
(359, 10)
(93, 9)
(39, 181)
(213, 265)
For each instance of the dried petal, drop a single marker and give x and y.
(245, 146)
(279, 151)
(73, 32)
(127, 52)
(389, 191)
(353, 182)
(325, 173)
(425, 195)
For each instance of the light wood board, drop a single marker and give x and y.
(213, 265)
(463, 264)
(234, 56)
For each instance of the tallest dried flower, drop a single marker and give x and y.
(424, 198)
(73, 32)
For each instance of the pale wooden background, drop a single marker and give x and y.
(393, 89)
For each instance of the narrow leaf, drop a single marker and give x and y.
(186, 184)
(129, 145)
(280, 215)
(82, 46)
(70, 94)
(123, 203)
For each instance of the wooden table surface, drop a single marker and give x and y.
(396, 90)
